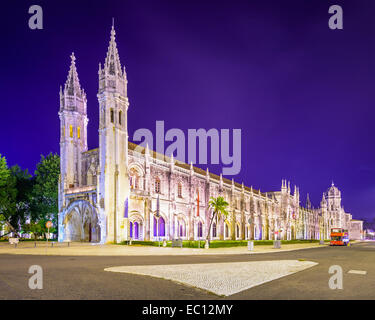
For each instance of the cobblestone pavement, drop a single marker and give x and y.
(83, 277)
(220, 278)
(88, 249)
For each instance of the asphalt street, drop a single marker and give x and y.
(76, 277)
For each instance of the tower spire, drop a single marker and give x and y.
(72, 86)
(112, 62)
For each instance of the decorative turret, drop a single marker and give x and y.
(283, 186)
(323, 203)
(308, 203)
(147, 155)
(171, 159)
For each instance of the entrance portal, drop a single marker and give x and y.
(81, 222)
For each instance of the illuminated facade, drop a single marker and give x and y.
(112, 193)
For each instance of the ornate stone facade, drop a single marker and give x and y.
(112, 193)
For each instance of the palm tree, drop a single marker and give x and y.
(219, 208)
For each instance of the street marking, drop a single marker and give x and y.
(357, 272)
(225, 278)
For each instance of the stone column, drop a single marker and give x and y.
(191, 224)
(147, 219)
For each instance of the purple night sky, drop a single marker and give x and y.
(302, 94)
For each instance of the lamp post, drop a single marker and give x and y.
(157, 230)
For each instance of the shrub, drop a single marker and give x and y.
(217, 243)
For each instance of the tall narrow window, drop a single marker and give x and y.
(63, 131)
(119, 117)
(71, 131)
(79, 132)
(179, 190)
(112, 116)
(200, 233)
(157, 185)
(214, 230)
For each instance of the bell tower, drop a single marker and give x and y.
(73, 128)
(113, 144)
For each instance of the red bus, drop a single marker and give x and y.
(339, 237)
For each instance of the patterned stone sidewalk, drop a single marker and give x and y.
(222, 279)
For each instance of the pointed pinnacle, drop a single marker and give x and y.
(73, 58)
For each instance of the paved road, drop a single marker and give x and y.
(83, 277)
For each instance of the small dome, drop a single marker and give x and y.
(333, 191)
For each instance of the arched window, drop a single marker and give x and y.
(226, 231)
(214, 230)
(157, 185)
(159, 227)
(179, 190)
(181, 228)
(200, 230)
(238, 231)
(136, 230)
(78, 132)
(71, 131)
(134, 178)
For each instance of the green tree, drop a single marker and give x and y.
(219, 207)
(24, 186)
(34, 228)
(8, 194)
(4, 171)
(45, 190)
